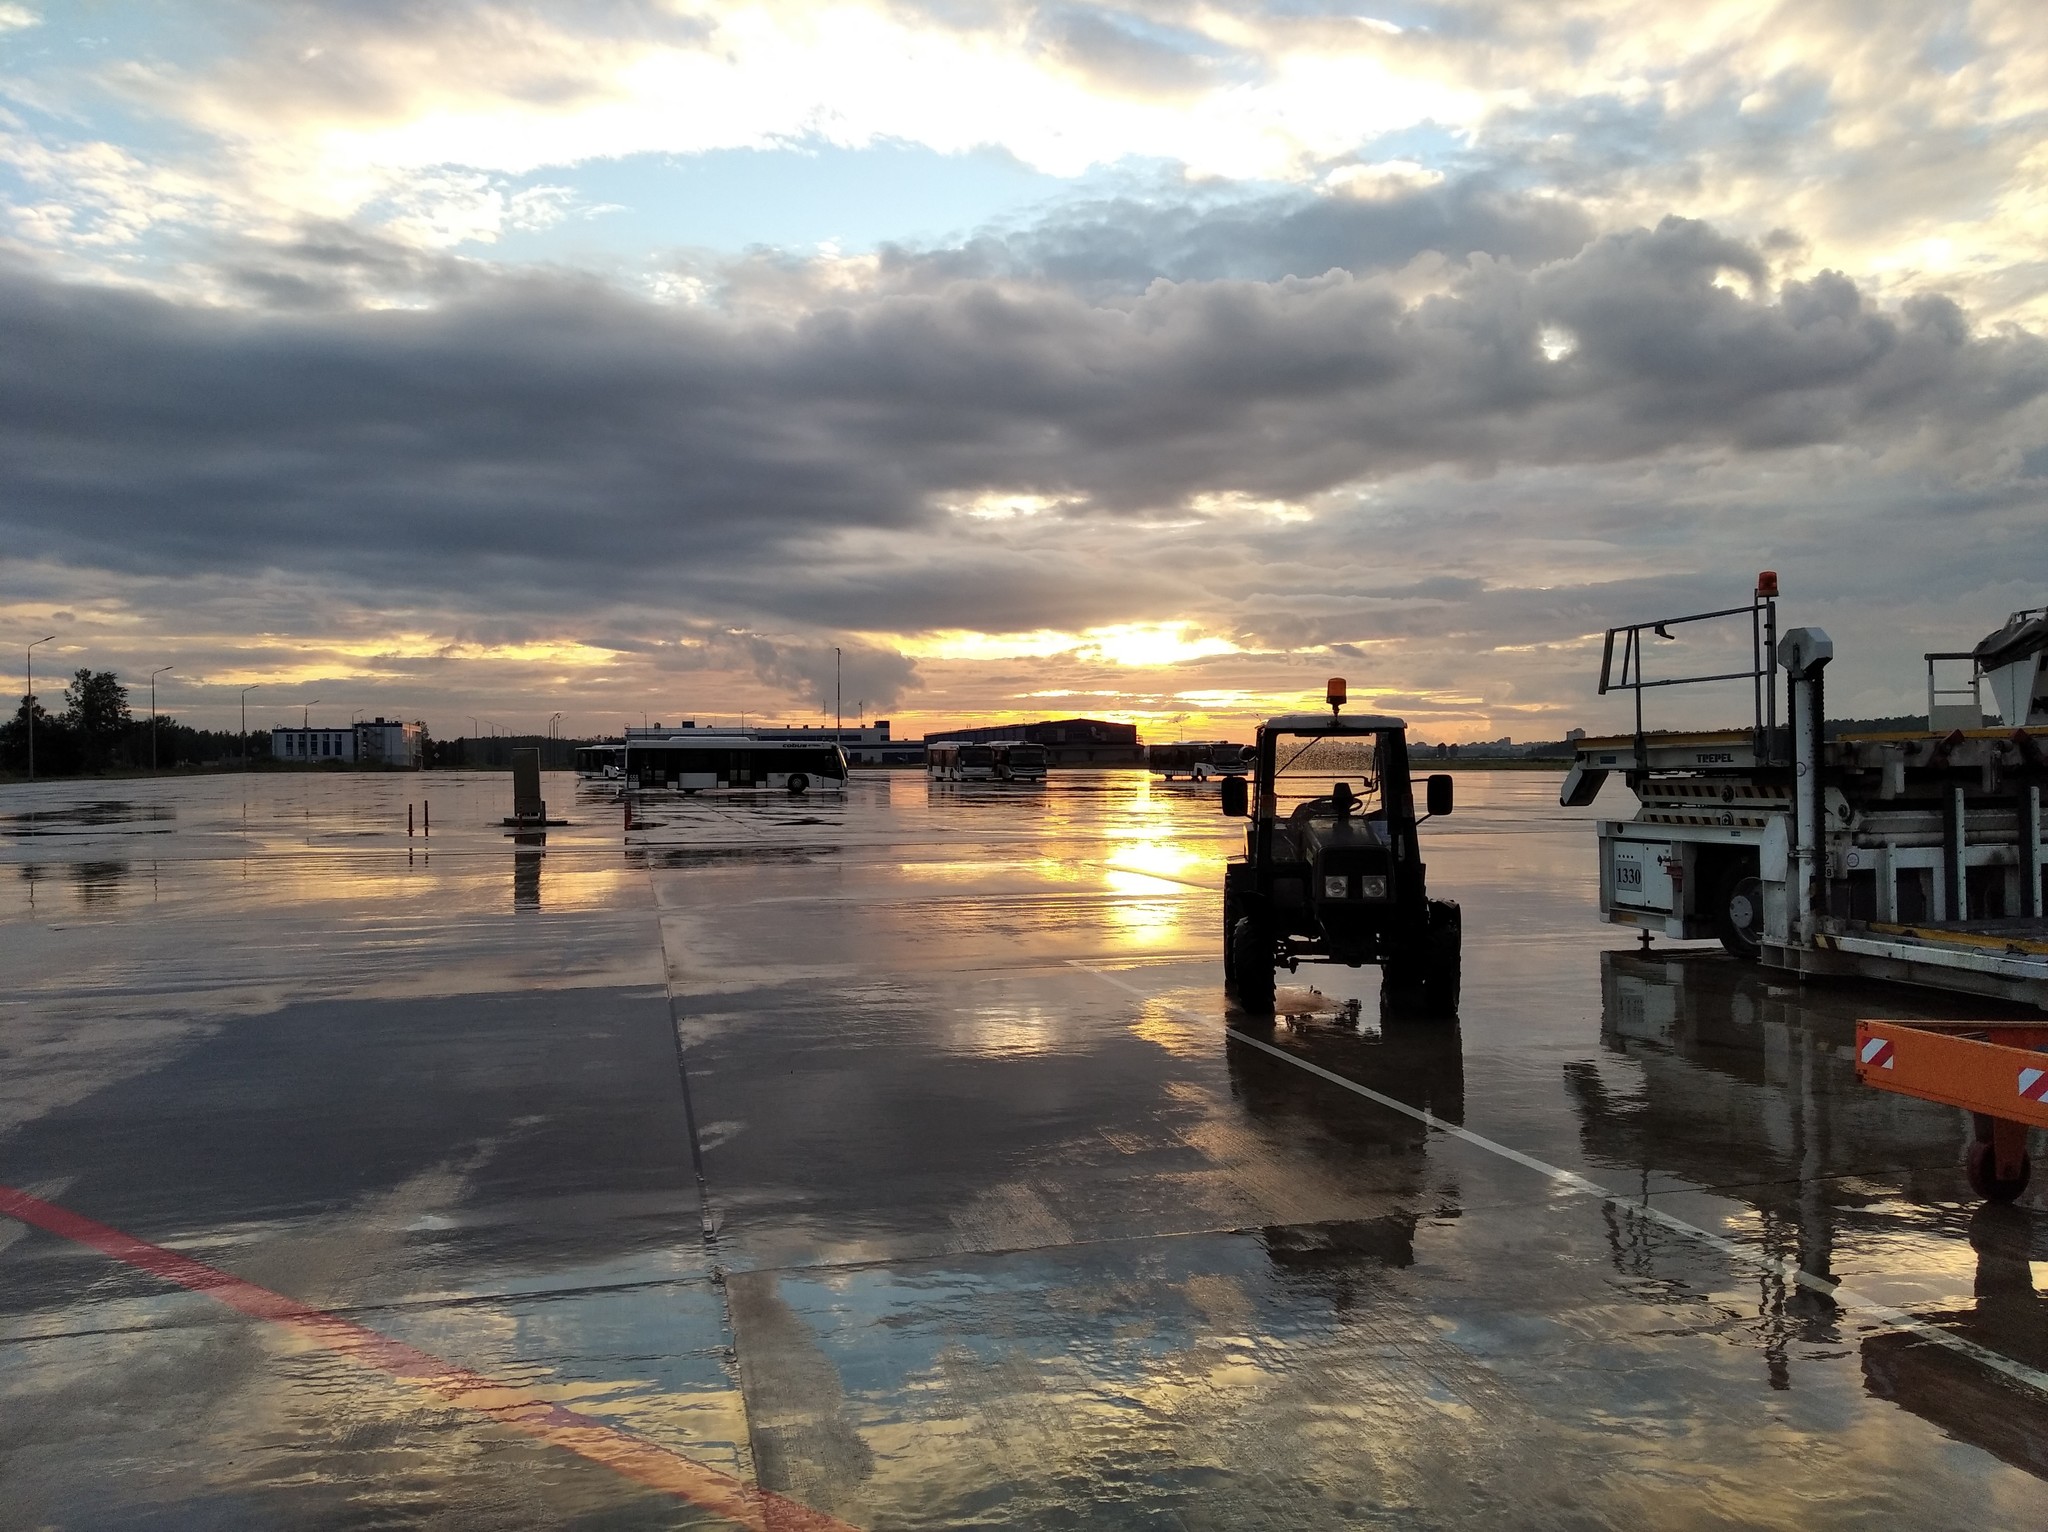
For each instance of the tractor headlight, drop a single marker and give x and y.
(1337, 887)
(1372, 888)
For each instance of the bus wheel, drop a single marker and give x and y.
(799, 783)
(1200, 774)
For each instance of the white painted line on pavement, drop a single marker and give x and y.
(1848, 1297)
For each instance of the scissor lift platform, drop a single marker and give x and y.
(1997, 1071)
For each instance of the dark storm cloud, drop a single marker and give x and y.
(332, 265)
(552, 445)
(1123, 245)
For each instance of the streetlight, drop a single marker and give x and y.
(31, 707)
(152, 711)
(838, 722)
(245, 722)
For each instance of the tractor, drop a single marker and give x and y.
(1332, 869)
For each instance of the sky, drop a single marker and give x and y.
(1150, 361)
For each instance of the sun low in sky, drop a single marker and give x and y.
(1146, 360)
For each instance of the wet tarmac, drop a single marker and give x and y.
(889, 1162)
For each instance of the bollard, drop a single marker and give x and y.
(408, 821)
(629, 813)
(426, 817)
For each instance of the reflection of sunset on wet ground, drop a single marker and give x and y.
(890, 1154)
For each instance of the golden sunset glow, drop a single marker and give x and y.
(1132, 644)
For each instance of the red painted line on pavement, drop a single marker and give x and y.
(632, 1456)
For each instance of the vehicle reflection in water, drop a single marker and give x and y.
(89, 818)
(1748, 1086)
(1955, 1392)
(97, 885)
(1369, 1150)
(527, 856)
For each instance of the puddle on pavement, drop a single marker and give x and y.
(1010, 1231)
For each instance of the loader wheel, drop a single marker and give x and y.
(1981, 1167)
(1251, 969)
(1739, 912)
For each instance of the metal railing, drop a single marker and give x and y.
(1762, 673)
(1963, 708)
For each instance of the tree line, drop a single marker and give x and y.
(98, 731)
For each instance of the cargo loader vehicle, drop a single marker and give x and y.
(1912, 856)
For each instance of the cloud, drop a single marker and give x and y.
(439, 497)
(858, 673)
(547, 439)
(1123, 245)
(1900, 143)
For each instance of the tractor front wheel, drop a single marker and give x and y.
(1250, 966)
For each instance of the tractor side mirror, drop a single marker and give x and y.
(1236, 797)
(1439, 794)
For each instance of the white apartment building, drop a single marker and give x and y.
(373, 742)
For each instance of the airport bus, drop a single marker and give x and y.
(600, 763)
(1200, 759)
(735, 761)
(999, 760)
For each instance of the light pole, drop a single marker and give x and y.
(245, 722)
(31, 707)
(837, 721)
(152, 711)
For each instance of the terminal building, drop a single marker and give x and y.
(865, 744)
(373, 742)
(1068, 741)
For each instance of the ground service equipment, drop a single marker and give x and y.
(1997, 1071)
(1332, 869)
(1913, 856)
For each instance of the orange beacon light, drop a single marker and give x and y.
(1335, 696)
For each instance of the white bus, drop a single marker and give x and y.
(600, 763)
(735, 761)
(999, 760)
(1200, 760)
